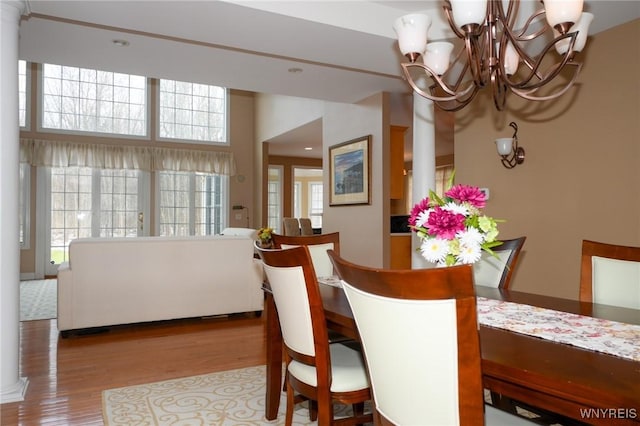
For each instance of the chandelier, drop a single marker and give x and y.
(495, 53)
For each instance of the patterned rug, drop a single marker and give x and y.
(38, 300)
(226, 398)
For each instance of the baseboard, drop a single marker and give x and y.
(16, 392)
(27, 276)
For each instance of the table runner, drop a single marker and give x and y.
(596, 334)
(601, 335)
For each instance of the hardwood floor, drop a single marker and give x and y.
(67, 376)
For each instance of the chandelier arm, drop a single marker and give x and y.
(499, 92)
(534, 65)
(455, 95)
(449, 13)
(521, 35)
(527, 93)
(461, 74)
(474, 58)
(457, 104)
(554, 69)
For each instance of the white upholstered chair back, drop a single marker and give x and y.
(610, 274)
(419, 335)
(487, 272)
(292, 302)
(496, 271)
(616, 282)
(401, 363)
(321, 262)
(318, 246)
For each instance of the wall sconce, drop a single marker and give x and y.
(508, 148)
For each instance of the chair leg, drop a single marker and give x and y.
(325, 410)
(288, 420)
(503, 403)
(313, 410)
(358, 410)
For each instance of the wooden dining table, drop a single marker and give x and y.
(585, 385)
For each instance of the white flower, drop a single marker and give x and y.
(470, 253)
(456, 208)
(434, 249)
(470, 235)
(422, 218)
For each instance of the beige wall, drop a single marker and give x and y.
(364, 229)
(581, 176)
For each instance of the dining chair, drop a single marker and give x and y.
(305, 226)
(291, 226)
(419, 334)
(496, 272)
(315, 369)
(318, 245)
(610, 274)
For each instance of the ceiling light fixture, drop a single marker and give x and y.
(120, 43)
(494, 53)
(508, 148)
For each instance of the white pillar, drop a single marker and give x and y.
(424, 163)
(12, 387)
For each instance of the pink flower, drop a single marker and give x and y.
(471, 194)
(417, 209)
(445, 224)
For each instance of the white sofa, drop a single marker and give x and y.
(110, 281)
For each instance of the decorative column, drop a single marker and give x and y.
(12, 387)
(424, 163)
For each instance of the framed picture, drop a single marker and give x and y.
(349, 172)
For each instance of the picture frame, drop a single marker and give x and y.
(349, 172)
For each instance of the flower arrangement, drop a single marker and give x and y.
(453, 229)
(264, 234)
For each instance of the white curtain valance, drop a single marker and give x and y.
(65, 154)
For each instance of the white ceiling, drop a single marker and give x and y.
(345, 49)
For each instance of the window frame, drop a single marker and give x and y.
(25, 205)
(27, 94)
(191, 195)
(313, 214)
(40, 105)
(275, 222)
(227, 120)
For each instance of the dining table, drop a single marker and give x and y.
(583, 384)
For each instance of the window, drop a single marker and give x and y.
(443, 174)
(192, 203)
(25, 205)
(22, 93)
(297, 199)
(315, 207)
(274, 198)
(87, 100)
(90, 202)
(190, 111)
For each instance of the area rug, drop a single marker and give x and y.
(38, 299)
(226, 398)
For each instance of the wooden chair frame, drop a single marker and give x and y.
(307, 240)
(320, 394)
(611, 251)
(515, 245)
(439, 283)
